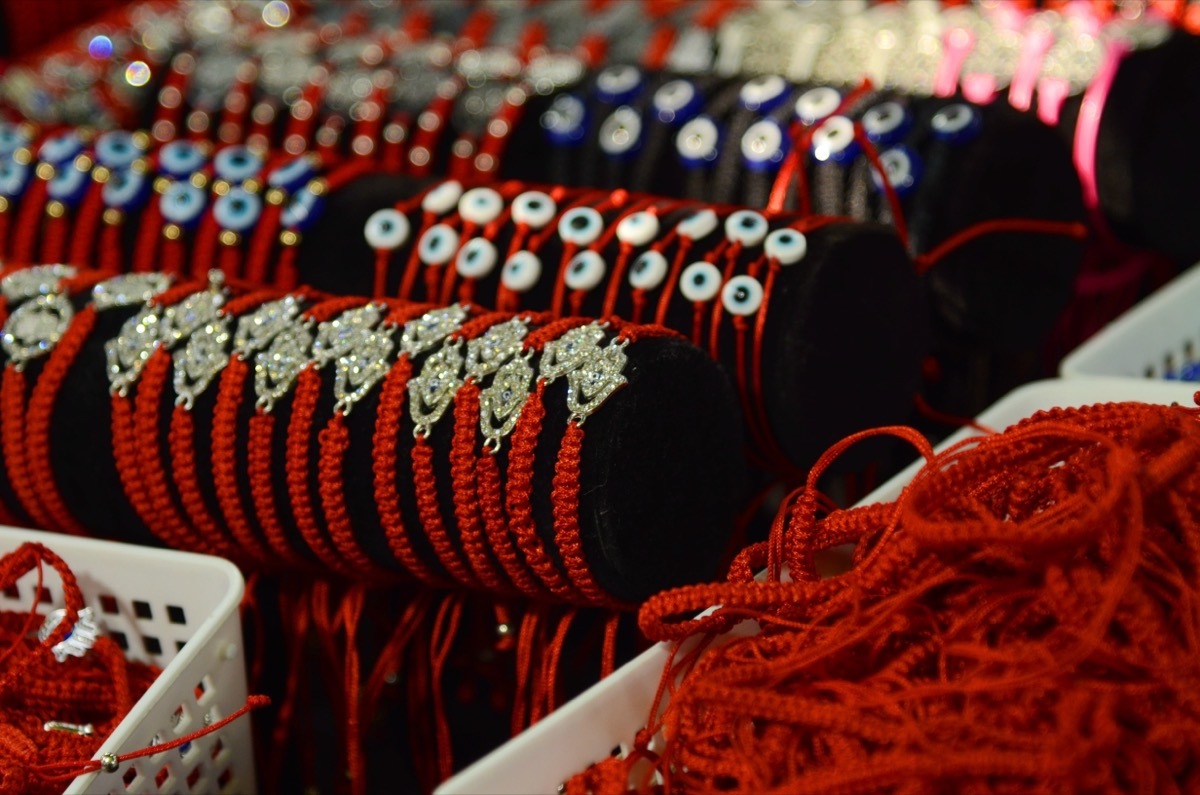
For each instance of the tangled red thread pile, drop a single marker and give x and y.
(1024, 619)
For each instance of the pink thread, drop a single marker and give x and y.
(957, 46)
(1033, 51)
(1087, 130)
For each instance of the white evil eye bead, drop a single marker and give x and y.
(237, 164)
(292, 175)
(476, 259)
(304, 208)
(58, 149)
(442, 199)
(438, 245)
(648, 271)
(763, 145)
(956, 123)
(834, 141)
(902, 167)
(698, 142)
(786, 246)
(238, 210)
(638, 229)
(67, 185)
(580, 225)
(521, 272)
(817, 103)
(387, 229)
(533, 209)
(117, 150)
(179, 159)
(698, 225)
(763, 93)
(182, 203)
(585, 270)
(13, 178)
(12, 138)
(886, 123)
(621, 133)
(677, 101)
(699, 282)
(616, 84)
(742, 295)
(480, 206)
(565, 121)
(746, 227)
(125, 190)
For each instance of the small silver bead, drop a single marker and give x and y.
(109, 763)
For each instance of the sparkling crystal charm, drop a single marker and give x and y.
(276, 368)
(570, 351)
(598, 376)
(501, 402)
(128, 289)
(432, 392)
(183, 319)
(200, 361)
(486, 354)
(26, 283)
(127, 353)
(35, 327)
(256, 330)
(81, 638)
(431, 328)
(338, 337)
(361, 369)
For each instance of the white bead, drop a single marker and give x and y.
(438, 245)
(648, 270)
(638, 229)
(742, 295)
(476, 259)
(387, 229)
(480, 206)
(746, 227)
(442, 199)
(698, 226)
(521, 272)
(585, 270)
(700, 281)
(580, 225)
(786, 246)
(534, 209)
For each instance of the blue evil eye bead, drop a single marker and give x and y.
(67, 185)
(180, 159)
(182, 203)
(902, 167)
(521, 271)
(698, 142)
(764, 145)
(585, 270)
(886, 123)
(58, 149)
(763, 93)
(956, 123)
(648, 270)
(480, 206)
(621, 133)
(476, 259)
(14, 177)
(12, 138)
(125, 190)
(742, 295)
(293, 174)
(638, 229)
(438, 245)
(817, 103)
(302, 210)
(117, 150)
(1190, 372)
(534, 209)
(746, 227)
(676, 101)
(237, 164)
(565, 121)
(786, 246)
(700, 282)
(618, 84)
(834, 141)
(387, 229)
(698, 225)
(580, 225)
(238, 211)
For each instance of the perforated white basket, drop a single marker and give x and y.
(1154, 338)
(172, 609)
(609, 714)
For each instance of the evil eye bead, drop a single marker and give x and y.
(746, 227)
(817, 103)
(303, 209)
(834, 141)
(67, 185)
(699, 282)
(580, 225)
(534, 209)
(886, 123)
(443, 198)
(742, 295)
(117, 150)
(182, 203)
(476, 259)
(677, 101)
(565, 121)
(58, 149)
(638, 229)
(763, 93)
(387, 229)
(12, 138)
(521, 272)
(698, 142)
(786, 246)
(438, 245)
(237, 164)
(764, 145)
(648, 271)
(956, 123)
(125, 190)
(621, 133)
(480, 206)
(14, 177)
(902, 167)
(585, 270)
(292, 175)
(179, 159)
(238, 210)
(618, 84)
(698, 225)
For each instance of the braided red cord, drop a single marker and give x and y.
(495, 524)
(262, 487)
(12, 399)
(425, 484)
(29, 220)
(466, 494)
(565, 497)
(87, 225)
(54, 237)
(334, 442)
(182, 445)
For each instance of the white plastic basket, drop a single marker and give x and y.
(1158, 335)
(176, 610)
(609, 714)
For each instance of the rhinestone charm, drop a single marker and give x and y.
(82, 637)
(431, 328)
(338, 337)
(570, 351)
(486, 354)
(599, 375)
(128, 289)
(256, 330)
(361, 369)
(35, 327)
(431, 393)
(193, 313)
(501, 403)
(200, 361)
(38, 280)
(276, 368)
(126, 354)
